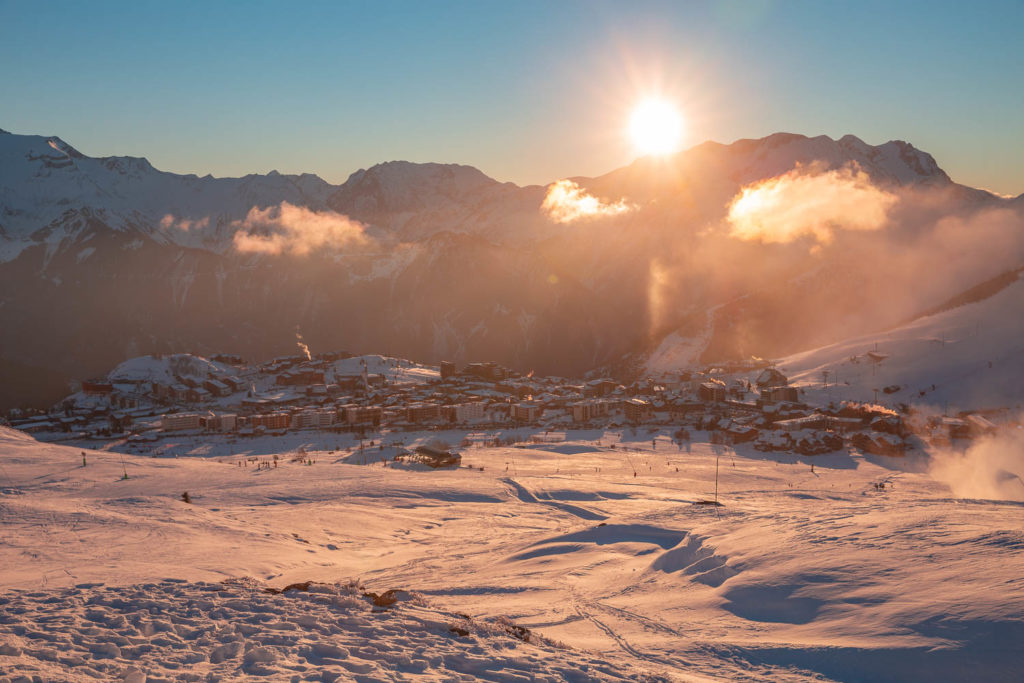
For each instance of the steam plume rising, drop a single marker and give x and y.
(290, 229)
(301, 343)
(809, 201)
(566, 202)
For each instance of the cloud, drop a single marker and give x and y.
(169, 222)
(809, 202)
(567, 202)
(290, 229)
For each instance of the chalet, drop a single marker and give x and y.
(349, 382)
(525, 412)
(844, 425)
(488, 370)
(681, 408)
(637, 410)
(179, 421)
(770, 377)
(228, 359)
(711, 392)
(362, 415)
(271, 420)
(741, 433)
(448, 369)
(228, 422)
(978, 425)
(815, 421)
(216, 387)
(179, 393)
(888, 424)
(312, 418)
(300, 377)
(422, 412)
(119, 422)
(879, 444)
(198, 395)
(160, 391)
(94, 387)
(779, 394)
(463, 412)
(34, 426)
(599, 387)
(588, 409)
(434, 456)
(317, 390)
(236, 383)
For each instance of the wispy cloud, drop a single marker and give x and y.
(566, 202)
(290, 229)
(170, 222)
(809, 202)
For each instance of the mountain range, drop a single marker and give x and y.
(651, 267)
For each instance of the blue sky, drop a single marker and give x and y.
(526, 91)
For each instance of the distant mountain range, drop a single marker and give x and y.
(107, 258)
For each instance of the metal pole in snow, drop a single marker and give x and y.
(716, 477)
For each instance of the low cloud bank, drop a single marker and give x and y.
(809, 201)
(566, 202)
(290, 229)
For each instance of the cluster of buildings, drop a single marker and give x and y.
(753, 404)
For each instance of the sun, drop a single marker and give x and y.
(655, 127)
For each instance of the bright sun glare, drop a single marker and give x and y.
(655, 127)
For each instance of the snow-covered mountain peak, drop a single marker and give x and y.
(46, 185)
(394, 182)
(415, 200)
(895, 162)
(64, 148)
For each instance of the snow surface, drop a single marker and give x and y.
(214, 631)
(164, 368)
(393, 369)
(589, 539)
(967, 358)
(44, 182)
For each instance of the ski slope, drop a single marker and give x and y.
(967, 358)
(591, 541)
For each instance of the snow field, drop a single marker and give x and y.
(175, 630)
(592, 540)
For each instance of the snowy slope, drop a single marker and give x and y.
(165, 368)
(172, 630)
(45, 184)
(803, 575)
(414, 201)
(392, 369)
(970, 357)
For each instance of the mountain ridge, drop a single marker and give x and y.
(121, 258)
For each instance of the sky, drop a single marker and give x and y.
(527, 91)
